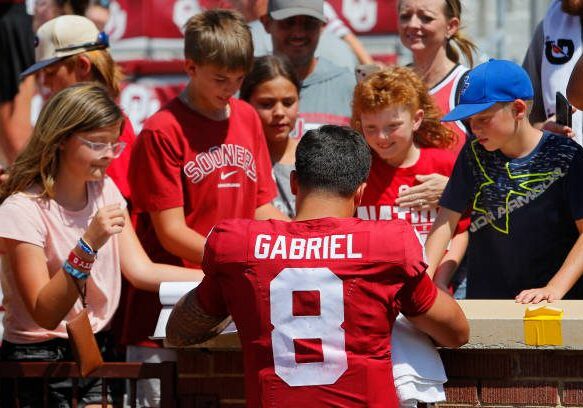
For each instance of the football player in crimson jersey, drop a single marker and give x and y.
(314, 300)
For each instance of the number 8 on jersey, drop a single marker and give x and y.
(326, 326)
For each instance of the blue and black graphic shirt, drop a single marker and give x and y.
(523, 214)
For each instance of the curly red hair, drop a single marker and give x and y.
(402, 87)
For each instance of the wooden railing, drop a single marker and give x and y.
(165, 371)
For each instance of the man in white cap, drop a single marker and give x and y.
(295, 27)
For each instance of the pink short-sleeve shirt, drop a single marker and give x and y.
(48, 225)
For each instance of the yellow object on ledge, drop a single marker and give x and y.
(542, 326)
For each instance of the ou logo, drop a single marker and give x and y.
(183, 10)
(117, 22)
(362, 14)
(139, 103)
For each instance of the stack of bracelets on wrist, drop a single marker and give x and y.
(77, 267)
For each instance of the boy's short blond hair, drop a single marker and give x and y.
(221, 38)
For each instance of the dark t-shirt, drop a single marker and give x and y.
(523, 214)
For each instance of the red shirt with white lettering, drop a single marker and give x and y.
(213, 169)
(314, 302)
(119, 168)
(385, 182)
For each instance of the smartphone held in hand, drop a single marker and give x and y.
(564, 110)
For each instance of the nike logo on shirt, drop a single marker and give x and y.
(225, 176)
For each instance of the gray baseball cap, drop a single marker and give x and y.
(282, 9)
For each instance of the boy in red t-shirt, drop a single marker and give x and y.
(314, 300)
(200, 159)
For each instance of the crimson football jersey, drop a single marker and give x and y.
(314, 302)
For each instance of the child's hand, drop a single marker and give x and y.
(108, 221)
(425, 195)
(537, 295)
(550, 125)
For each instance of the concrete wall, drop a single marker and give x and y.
(495, 369)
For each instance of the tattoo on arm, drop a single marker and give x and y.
(189, 324)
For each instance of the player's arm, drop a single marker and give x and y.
(564, 279)
(189, 324)
(441, 232)
(574, 89)
(268, 211)
(444, 321)
(175, 236)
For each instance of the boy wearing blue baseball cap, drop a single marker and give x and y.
(524, 189)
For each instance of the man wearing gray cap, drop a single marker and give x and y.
(326, 94)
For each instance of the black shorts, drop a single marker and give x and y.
(59, 389)
(16, 47)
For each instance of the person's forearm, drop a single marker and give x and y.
(183, 242)
(439, 236)
(157, 273)
(358, 49)
(188, 323)
(451, 260)
(574, 91)
(570, 271)
(15, 125)
(55, 300)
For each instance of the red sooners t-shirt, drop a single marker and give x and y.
(314, 303)
(385, 182)
(213, 169)
(119, 168)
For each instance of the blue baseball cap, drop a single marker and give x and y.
(491, 82)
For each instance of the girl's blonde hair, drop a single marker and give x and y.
(453, 8)
(400, 86)
(79, 108)
(104, 69)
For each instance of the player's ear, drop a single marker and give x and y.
(293, 182)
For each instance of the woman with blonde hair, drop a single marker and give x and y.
(431, 30)
(70, 49)
(59, 210)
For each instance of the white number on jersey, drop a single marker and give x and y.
(326, 326)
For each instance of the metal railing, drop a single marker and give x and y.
(165, 371)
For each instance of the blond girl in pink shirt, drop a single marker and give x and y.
(66, 232)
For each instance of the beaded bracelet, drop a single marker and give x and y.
(78, 263)
(74, 272)
(85, 247)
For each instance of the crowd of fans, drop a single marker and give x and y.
(471, 157)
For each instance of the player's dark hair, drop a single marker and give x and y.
(335, 159)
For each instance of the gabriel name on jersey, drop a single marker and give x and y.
(337, 246)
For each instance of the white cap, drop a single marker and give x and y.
(62, 37)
